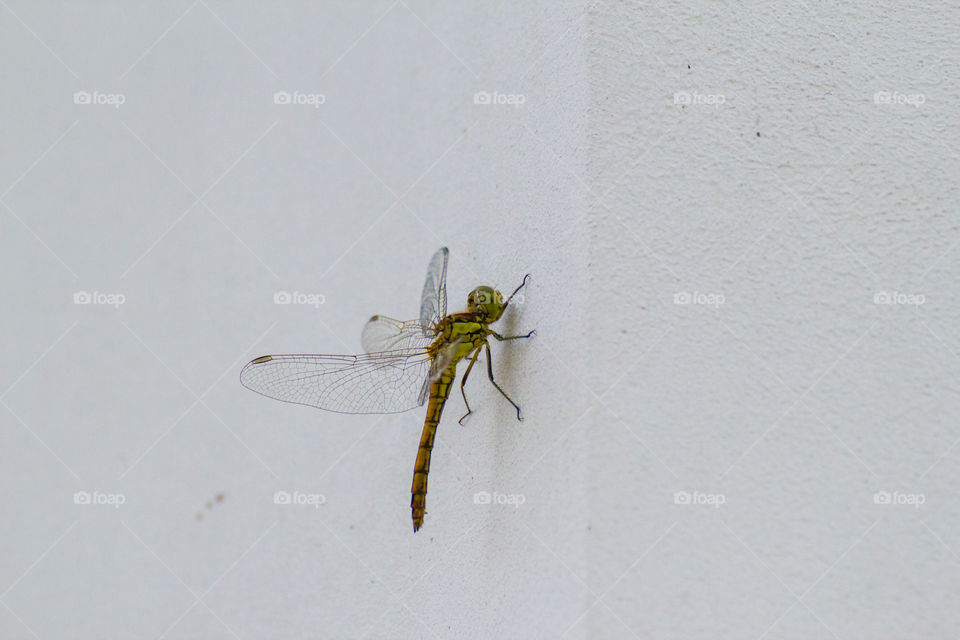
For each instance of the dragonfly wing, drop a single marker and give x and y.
(386, 334)
(383, 382)
(433, 302)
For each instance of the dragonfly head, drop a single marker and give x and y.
(486, 303)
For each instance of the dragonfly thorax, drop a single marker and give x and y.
(486, 303)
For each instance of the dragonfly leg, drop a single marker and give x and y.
(502, 338)
(463, 381)
(490, 375)
(505, 304)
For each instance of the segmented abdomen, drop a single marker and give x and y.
(439, 391)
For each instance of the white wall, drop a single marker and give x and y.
(788, 201)
(797, 199)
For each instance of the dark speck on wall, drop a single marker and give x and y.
(217, 500)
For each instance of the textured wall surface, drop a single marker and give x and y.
(742, 153)
(740, 406)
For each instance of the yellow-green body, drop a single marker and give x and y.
(471, 333)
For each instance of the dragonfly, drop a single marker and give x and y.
(406, 364)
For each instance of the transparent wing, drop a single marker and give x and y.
(383, 382)
(386, 334)
(433, 302)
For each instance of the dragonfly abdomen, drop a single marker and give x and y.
(439, 392)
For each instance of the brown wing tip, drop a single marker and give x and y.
(261, 360)
(373, 318)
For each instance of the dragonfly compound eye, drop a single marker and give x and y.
(486, 302)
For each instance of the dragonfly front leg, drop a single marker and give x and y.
(463, 381)
(507, 303)
(490, 375)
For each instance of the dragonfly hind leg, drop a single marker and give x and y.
(490, 375)
(463, 381)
